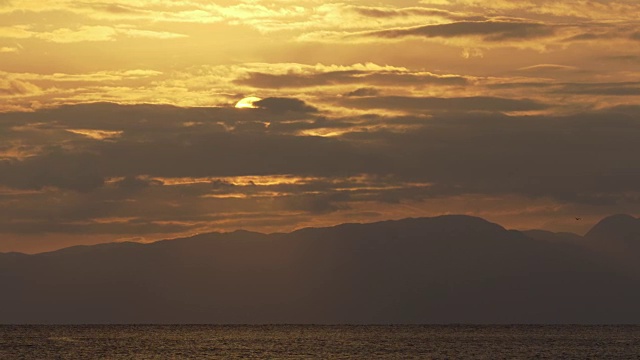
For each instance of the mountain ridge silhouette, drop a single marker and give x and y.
(447, 269)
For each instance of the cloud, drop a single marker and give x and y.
(115, 8)
(148, 34)
(299, 80)
(488, 30)
(57, 168)
(283, 105)
(548, 67)
(17, 87)
(9, 49)
(622, 58)
(99, 76)
(96, 134)
(15, 32)
(135, 183)
(478, 103)
(317, 203)
(588, 37)
(392, 12)
(629, 88)
(544, 72)
(607, 89)
(363, 92)
(588, 10)
(521, 85)
(85, 33)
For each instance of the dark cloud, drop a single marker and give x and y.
(504, 154)
(379, 12)
(231, 154)
(250, 126)
(292, 80)
(623, 111)
(383, 12)
(112, 8)
(629, 88)
(363, 92)
(622, 58)
(135, 183)
(478, 103)
(610, 89)
(183, 154)
(283, 105)
(548, 68)
(588, 37)
(146, 122)
(317, 203)
(489, 30)
(519, 85)
(579, 159)
(58, 168)
(414, 79)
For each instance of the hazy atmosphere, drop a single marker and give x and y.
(145, 120)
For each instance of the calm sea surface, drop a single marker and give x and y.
(320, 342)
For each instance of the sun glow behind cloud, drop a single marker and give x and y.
(247, 103)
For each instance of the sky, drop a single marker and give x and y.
(145, 120)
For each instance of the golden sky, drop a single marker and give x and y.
(118, 119)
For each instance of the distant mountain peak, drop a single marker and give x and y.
(449, 222)
(620, 226)
(619, 217)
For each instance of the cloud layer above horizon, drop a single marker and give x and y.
(118, 119)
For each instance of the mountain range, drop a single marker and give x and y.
(440, 270)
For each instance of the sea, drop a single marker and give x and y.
(143, 342)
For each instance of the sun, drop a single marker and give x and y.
(247, 103)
